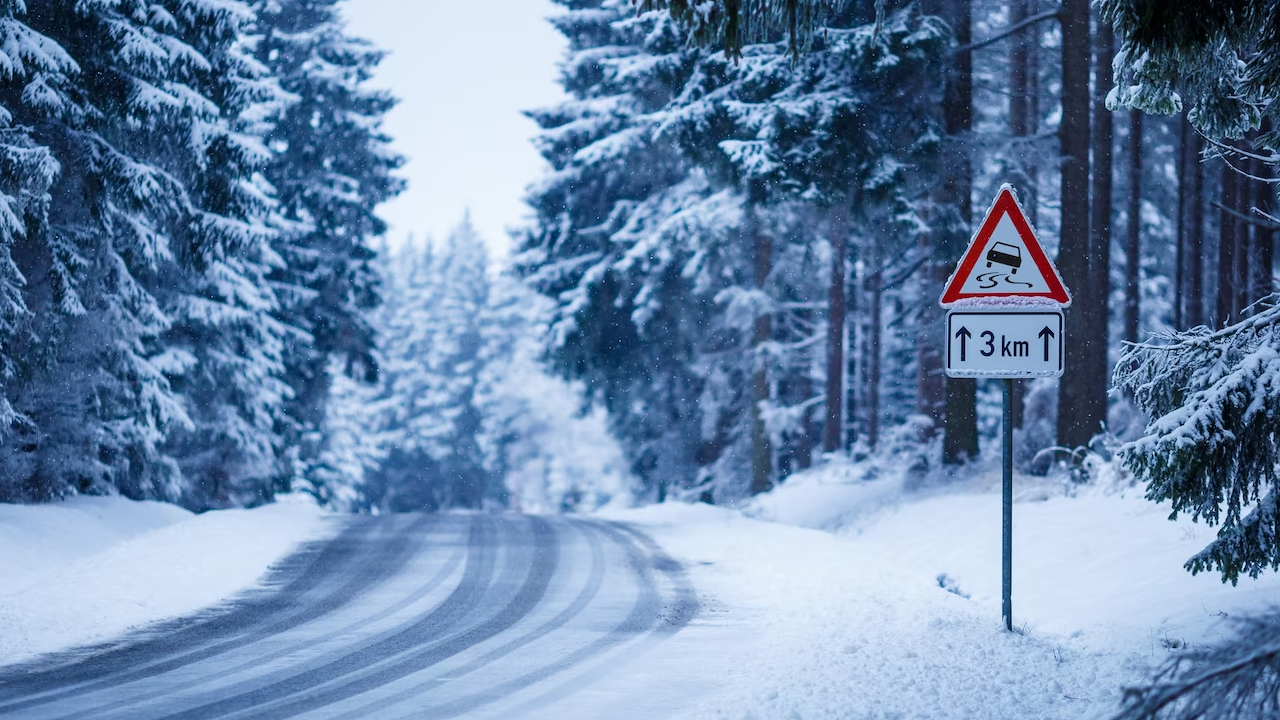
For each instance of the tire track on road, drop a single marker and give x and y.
(95, 668)
(595, 580)
(546, 555)
(419, 545)
(475, 579)
(645, 618)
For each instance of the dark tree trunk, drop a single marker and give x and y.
(960, 433)
(1082, 390)
(1227, 242)
(1100, 230)
(1032, 202)
(804, 451)
(833, 423)
(875, 291)
(931, 379)
(1244, 248)
(761, 453)
(1180, 251)
(1019, 72)
(1023, 110)
(1264, 236)
(1132, 245)
(1195, 232)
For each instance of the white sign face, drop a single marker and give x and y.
(1004, 260)
(1004, 343)
(1005, 265)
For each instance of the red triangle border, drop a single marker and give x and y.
(1006, 203)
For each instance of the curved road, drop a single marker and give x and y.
(401, 616)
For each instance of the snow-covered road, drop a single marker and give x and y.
(403, 616)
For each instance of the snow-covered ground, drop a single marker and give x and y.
(828, 595)
(90, 568)
(822, 599)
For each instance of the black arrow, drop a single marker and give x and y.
(964, 334)
(1046, 333)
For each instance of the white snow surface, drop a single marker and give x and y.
(87, 569)
(822, 599)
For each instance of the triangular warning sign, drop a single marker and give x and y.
(1005, 260)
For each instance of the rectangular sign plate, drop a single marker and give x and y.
(1004, 343)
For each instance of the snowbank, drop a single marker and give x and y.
(854, 620)
(87, 569)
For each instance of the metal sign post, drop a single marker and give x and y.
(1005, 322)
(1007, 462)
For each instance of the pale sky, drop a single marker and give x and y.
(463, 72)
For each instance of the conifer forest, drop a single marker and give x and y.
(727, 277)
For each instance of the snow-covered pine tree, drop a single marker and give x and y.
(738, 23)
(1211, 448)
(547, 451)
(813, 134)
(93, 384)
(27, 172)
(1216, 60)
(331, 167)
(434, 357)
(637, 362)
(700, 283)
(142, 345)
(222, 305)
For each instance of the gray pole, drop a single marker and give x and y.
(1008, 504)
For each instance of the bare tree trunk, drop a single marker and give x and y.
(1022, 103)
(1132, 255)
(960, 433)
(1195, 233)
(1100, 240)
(875, 282)
(1019, 71)
(1180, 253)
(1082, 390)
(1032, 202)
(833, 424)
(1264, 237)
(804, 451)
(1243, 208)
(1227, 242)
(761, 452)
(931, 379)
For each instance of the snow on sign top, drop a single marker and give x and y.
(1005, 261)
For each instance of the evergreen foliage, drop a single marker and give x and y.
(676, 232)
(1237, 679)
(331, 167)
(463, 414)
(145, 301)
(1211, 449)
(1217, 61)
(738, 23)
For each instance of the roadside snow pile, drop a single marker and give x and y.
(895, 612)
(89, 568)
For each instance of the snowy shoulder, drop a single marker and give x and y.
(89, 568)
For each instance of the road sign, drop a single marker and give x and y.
(1004, 343)
(1005, 260)
(1005, 321)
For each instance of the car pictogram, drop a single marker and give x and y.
(1005, 254)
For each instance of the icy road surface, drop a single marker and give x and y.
(403, 616)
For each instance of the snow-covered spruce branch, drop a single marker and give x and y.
(1211, 447)
(1235, 680)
